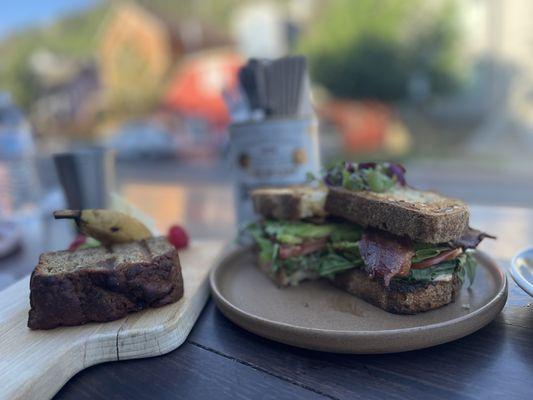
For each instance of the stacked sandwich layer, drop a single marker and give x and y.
(294, 251)
(404, 250)
(302, 250)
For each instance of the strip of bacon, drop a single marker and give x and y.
(386, 255)
(471, 238)
(307, 247)
(444, 256)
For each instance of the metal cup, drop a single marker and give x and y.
(270, 153)
(87, 176)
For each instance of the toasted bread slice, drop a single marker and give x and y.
(100, 284)
(290, 203)
(425, 217)
(399, 297)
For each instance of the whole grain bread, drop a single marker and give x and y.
(100, 284)
(425, 217)
(290, 203)
(399, 297)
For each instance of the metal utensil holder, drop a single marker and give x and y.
(271, 153)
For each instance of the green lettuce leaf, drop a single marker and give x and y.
(431, 273)
(349, 250)
(378, 181)
(467, 266)
(268, 251)
(332, 263)
(296, 232)
(344, 232)
(341, 253)
(301, 263)
(352, 247)
(423, 252)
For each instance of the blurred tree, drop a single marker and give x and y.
(374, 49)
(74, 36)
(15, 74)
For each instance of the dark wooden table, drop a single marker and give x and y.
(221, 361)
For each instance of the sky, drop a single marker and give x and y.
(19, 14)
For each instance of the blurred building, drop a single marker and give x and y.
(136, 51)
(139, 47)
(69, 92)
(269, 29)
(500, 35)
(261, 30)
(497, 102)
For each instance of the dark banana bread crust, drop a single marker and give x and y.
(107, 287)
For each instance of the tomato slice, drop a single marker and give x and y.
(444, 256)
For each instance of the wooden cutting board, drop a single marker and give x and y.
(36, 364)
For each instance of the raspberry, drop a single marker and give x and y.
(178, 237)
(77, 242)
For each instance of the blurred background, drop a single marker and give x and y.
(444, 86)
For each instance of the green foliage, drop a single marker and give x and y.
(369, 48)
(72, 36)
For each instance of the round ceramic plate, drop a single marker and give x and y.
(522, 270)
(317, 316)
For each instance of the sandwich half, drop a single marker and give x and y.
(403, 250)
(406, 277)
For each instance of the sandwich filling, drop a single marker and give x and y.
(306, 249)
(389, 257)
(303, 250)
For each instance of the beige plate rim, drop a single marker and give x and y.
(491, 308)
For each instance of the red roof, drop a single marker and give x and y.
(196, 88)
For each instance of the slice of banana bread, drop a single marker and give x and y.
(100, 284)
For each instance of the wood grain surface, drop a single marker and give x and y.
(35, 364)
(220, 360)
(494, 363)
